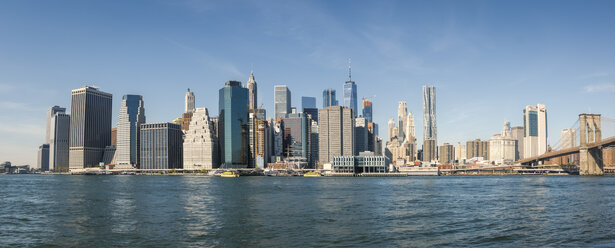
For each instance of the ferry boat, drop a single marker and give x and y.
(229, 174)
(312, 174)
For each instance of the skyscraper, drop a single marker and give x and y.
(233, 125)
(200, 144)
(402, 113)
(51, 112)
(132, 115)
(410, 128)
(335, 133)
(296, 138)
(361, 135)
(391, 127)
(535, 128)
(58, 129)
(367, 110)
(517, 134)
(90, 126)
(189, 105)
(43, 157)
(161, 146)
(260, 141)
(281, 101)
(252, 93)
(328, 98)
(308, 102)
(568, 138)
(429, 113)
(350, 94)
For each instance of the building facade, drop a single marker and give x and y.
(233, 126)
(200, 146)
(350, 96)
(335, 133)
(447, 154)
(430, 152)
(365, 163)
(161, 146)
(430, 130)
(368, 110)
(252, 93)
(535, 127)
(43, 157)
(502, 146)
(361, 135)
(189, 102)
(477, 148)
(296, 138)
(281, 101)
(517, 134)
(260, 143)
(90, 127)
(402, 113)
(132, 115)
(328, 98)
(59, 133)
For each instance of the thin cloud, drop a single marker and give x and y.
(603, 87)
(28, 129)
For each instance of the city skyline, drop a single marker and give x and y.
(477, 73)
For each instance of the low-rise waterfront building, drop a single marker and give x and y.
(366, 162)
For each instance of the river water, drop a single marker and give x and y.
(186, 211)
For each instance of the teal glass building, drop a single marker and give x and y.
(233, 125)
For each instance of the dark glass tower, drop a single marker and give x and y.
(233, 125)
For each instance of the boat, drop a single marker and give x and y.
(312, 174)
(229, 174)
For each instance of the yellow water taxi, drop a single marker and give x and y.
(312, 174)
(229, 174)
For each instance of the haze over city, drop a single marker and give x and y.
(488, 60)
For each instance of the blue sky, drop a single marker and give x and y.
(488, 59)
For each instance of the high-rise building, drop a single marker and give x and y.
(361, 136)
(402, 113)
(260, 143)
(185, 121)
(233, 126)
(189, 104)
(350, 94)
(502, 146)
(372, 133)
(252, 93)
(568, 138)
(90, 126)
(447, 154)
(296, 138)
(308, 102)
(281, 101)
(43, 157)
(409, 133)
(328, 98)
(308, 106)
(477, 148)
(335, 133)
(314, 143)
(430, 152)
(367, 110)
(277, 132)
(200, 146)
(161, 146)
(535, 127)
(517, 134)
(58, 129)
(51, 112)
(429, 113)
(460, 153)
(392, 134)
(132, 115)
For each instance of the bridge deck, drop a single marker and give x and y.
(568, 151)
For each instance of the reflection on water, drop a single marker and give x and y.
(165, 211)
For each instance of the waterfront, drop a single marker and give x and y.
(157, 211)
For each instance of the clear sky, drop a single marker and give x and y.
(487, 59)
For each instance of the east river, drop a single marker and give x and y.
(186, 211)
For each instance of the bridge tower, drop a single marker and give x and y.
(590, 159)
